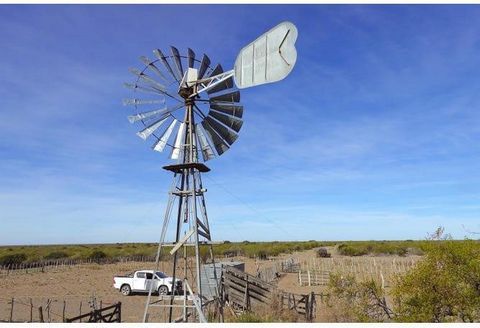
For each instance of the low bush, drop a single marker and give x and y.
(322, 252)
(97, 255)
(379, 248)
(442, 287)
(13, 259)
(350, 250)
(55, 255)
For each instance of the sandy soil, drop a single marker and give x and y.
(80, 283)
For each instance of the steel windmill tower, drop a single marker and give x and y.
(191, 107)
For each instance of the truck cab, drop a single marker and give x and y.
(141, 282)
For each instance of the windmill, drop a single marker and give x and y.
(191, 108)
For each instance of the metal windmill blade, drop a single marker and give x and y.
(145, 133)
(230, 121)
(217, 70)
(220, 145)
(147, 79)
(191, 58)
(151, 65)
(177, 148)
(178, 62)
(227, 84)
(136, 101)
(162, 142)
(203, 66)
(232, 97)
(136, 87)
(234, 110)
(153, 113)
(159, 54)
(226, 134)
(205, 146)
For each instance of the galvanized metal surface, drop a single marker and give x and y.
(269, 58)
(145, 133)
(203, 66)
(211, 273)
(178, 141)
(162, 142)
(226, 97)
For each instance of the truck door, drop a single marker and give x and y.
(139, 281)
(149, 282)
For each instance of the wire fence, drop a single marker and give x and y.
(42, 309)
(317, 271)
(43, 266)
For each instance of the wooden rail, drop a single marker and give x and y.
(112, 313)
(244, 292)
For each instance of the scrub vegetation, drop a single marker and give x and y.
(443, 287)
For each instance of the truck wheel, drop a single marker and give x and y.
(163, 290)
(125, 290)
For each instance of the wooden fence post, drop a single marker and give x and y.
(11, 310)
(309, 282)
(31, 310)
(313, 306)
(246, 296)
(63, 312)
(40, 314)
(307, 306)
(49, 301)
(119, 315)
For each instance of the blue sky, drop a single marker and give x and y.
(374, 135)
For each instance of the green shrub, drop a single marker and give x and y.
(97, 255)
(262, 255)
(443, 287)
(357, 301)
(379, 248)
(350, 250)
(55, 255)
(13, 259)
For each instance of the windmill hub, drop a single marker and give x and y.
(186, 88)
(185, 93)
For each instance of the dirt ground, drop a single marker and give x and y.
(79, 284)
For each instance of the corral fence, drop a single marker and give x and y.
(272, 271)
(39, 309)
(243, 292)
(42, 266)
(112, 313)
(381, 269)
(290, 265)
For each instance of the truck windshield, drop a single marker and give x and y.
(161, 274)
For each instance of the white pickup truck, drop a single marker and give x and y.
(140, 282)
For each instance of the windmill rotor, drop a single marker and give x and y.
(162, 90)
